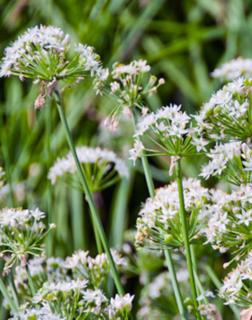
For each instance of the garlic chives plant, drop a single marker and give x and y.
(47, 55)
(168, 132)
(131, 84)
(89, 197)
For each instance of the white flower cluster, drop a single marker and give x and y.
(43, 313)
(220, 157)
(166, 129)
(130, 85)
(236, 288)
(230, 221)
(104, 166)
(18, 218)
(71, 287)
(21, 234)
(225, 116)
(159, 222)
(46, 53)
(234, 69)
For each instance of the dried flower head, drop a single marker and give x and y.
(159, 224)
(102, 167)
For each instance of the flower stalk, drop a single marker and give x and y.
(184, 225)
(167, 252)
(98, 228)
(6, 295)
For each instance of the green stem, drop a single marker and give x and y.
(6, 295)
(148, 176)
(175, 285)
(167, 252)
(49, 195)
(183, 220)
(30, 281)
(89, 197)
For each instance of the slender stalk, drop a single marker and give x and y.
(89, 197)
(184, 225)
(167, 252)
(49, 196)
(13, 288)
(30, 281)
(175, 285)
(6, 295)
(148, 176)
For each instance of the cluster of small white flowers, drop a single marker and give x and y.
(43, 313)
(53, 288)
(234, 69)
(160, 213)
(134, 68)
(21, 234)
(46, 53)
(79, 257)
(87, 155)
(225, 113)
(169, 120)
(237, 284)
(120, 305)
(230, 220)
(21, 51)
(220, 156)
(14, 218)
(130, 85)
(95, 300)
(168, 126)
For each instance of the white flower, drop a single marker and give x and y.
(120, 304)
(95, 300)
(220, 156)
(42, 313)
(159, 222)
(17, 217)
(134, 68)
(236, 286)
(80, 257)
(136, 151)
(46, 53)
(57, 287)
(225, 116)
(230, 218)
(106, 159)
(168, 120)
(234, 69)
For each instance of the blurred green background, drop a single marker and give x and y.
(183, 41)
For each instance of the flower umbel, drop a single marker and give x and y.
(159, 225)
(21, 235)
(102, 167)
(46, 53)
(166, 132)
